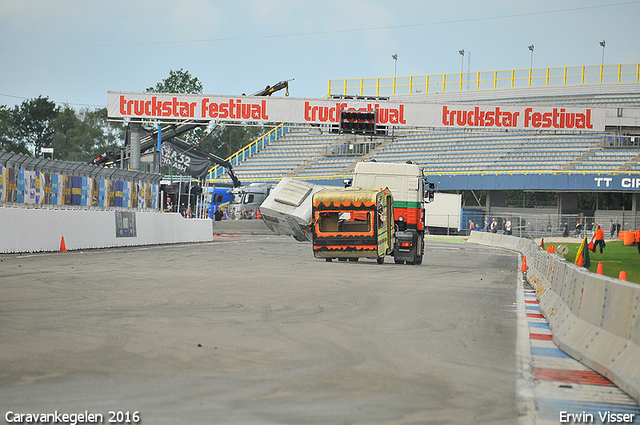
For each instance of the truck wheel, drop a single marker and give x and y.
(380, 260)
(354, 260)
(342, 259)
(328, 260)
(398, 261)
(419, 260)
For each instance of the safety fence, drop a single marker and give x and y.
(531, 225)
(593, 318)
(459, 81)
(44, 183)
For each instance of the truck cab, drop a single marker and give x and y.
(410, 192)
(247, 198)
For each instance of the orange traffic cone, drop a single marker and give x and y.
(623, 275)
(524, 264)
(63, 246)
(551, 249)
(599, 271)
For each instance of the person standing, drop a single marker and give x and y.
(471, 226)
(612, 229)
(565, 230)
(494, 226)
(599, 237)
(507, 227)
(638, 240)
(578, 229)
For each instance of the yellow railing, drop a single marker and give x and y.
(534, 77)
(250, 150)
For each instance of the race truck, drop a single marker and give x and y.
(287, 210)
(410, 191)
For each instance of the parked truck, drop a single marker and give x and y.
(245, 199)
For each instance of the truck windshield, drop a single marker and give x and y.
(237, 198)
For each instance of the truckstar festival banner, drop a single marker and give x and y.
(327, 111)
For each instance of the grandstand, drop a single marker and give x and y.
(317, 154)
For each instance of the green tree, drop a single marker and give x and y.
(32, 122)
(81, 136)
(8, 140)
(179, 81)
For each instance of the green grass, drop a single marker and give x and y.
(615, 257)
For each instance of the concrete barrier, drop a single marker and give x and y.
(252, 227)
(36, 230)
(594, 318)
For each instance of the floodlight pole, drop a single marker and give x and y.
(395, 71)
(531, 47)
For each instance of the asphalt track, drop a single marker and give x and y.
(255, 330)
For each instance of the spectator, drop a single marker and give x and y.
(618, 228)
(565, 230)
(218, 215)
(599, 237)
(612, 229)
(169, 206)
(507, 227)
(487, 225)
(471, 226)
(494, 226)
(638, 240)
(578, 229)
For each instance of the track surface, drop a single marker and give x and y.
(254, 330)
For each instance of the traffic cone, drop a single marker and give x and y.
(63, 246)
(623, 275)
(524, 264)
(599, 271)
(551, 249)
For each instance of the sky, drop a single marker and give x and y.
(75, 51)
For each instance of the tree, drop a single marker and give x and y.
(33, 121)
(179, 81)
(8, 141)
(81, 136)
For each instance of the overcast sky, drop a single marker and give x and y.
(75, 51)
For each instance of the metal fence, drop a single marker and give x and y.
(459, 81)
(31, 182)
(553, 225)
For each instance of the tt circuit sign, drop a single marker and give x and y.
(327, 111)
(557, 182)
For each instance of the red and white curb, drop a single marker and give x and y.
(553, 387)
